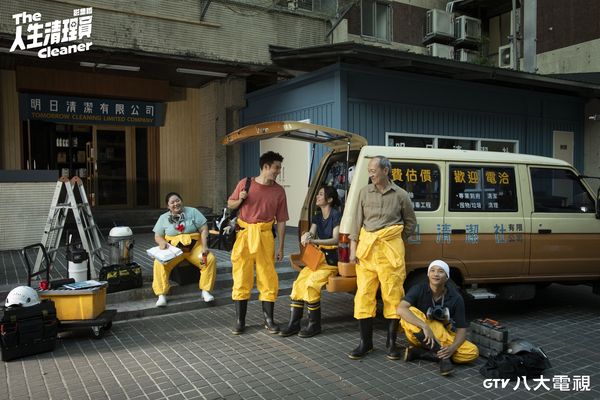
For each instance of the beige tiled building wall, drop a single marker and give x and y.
(230, 31)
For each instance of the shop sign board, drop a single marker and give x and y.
(90, 111)
(31, 32)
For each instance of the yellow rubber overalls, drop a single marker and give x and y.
(254, 244)
(467, 351)
(160, 282)
(381, 264)
(309, 283)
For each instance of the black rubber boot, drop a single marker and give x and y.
(394, 353)
(293, 326)
(314, 321)
(418, 353)
(240, 316)
(268, 308)
(421, 338)
(446, 367)
(366, 339)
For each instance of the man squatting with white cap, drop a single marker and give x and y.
(430, 311)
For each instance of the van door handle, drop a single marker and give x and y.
(457, 231)
(544, 231)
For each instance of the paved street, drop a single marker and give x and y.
(193, 355)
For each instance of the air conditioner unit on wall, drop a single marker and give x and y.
(438, 24)
(467, 29)
(465, 55)
(506, 57)
(440, 50)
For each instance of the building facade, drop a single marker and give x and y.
(399, 108)
(541, 38)
(196, 65)
(551, 38)
(139, 109)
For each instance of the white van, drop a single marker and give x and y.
(505, 223)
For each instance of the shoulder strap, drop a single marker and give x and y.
(246, 188)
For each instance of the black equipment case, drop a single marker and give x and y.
(27, 330)
(122, 277)
(489, 335)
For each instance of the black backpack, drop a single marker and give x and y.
(230, 222)
(511, 366)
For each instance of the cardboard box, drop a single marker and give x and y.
(341, 284)
(346, 269)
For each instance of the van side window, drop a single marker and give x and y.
(478, 188)
(559, 190)
(421, 181)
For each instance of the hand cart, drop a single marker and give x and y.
(75, 308)
(100, 325)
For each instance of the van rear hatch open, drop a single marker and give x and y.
(333, 138)
(340, 143)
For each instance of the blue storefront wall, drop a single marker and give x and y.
(371, 102)
(313, 97)
(380, 102)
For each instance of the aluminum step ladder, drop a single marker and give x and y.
(71, 195)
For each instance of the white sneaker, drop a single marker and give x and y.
(207, 297)
(162, 301)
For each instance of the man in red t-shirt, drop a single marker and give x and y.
(263, 205)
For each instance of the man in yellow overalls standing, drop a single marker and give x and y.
(263, 205)
(385, 216)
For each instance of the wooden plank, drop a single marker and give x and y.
(87, 84)
(10, 127)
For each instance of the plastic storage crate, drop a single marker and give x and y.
(78, 304)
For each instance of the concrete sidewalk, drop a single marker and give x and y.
(193, 355)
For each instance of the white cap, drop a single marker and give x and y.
(442, 265)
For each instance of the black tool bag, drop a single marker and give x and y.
(27, 330)
(228, 233)
(511, 366)
(121, 276)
